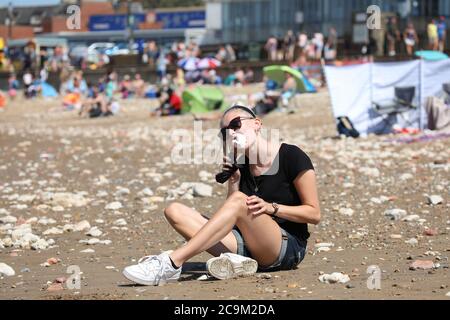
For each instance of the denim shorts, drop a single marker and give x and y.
(291, 254)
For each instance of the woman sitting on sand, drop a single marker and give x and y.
(263, 221)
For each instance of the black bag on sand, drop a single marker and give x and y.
(345, 127)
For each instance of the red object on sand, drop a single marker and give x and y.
(175, 101)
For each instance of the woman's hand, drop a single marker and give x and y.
(258, 206)
(227, 166)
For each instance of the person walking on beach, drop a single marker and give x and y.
(411, 39)
(262, 223)
(432, 31)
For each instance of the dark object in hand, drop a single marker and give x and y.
(223, 176)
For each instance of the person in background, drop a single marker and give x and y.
(221, 54)
(271, 48)
(231, 55)
(125, 86)
(111, 86)
(138, 85)
(289, 88)
(13, 86)
(330, 50)
(442, 33)
(27, 82)
(249, 75)
(161, 66)
(179, 80)
(289, 46)
(169, 102)
(318, 45)
(302, 42)
(432, 31)
(411, 39)
(392, 36)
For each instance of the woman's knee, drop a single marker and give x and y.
(239, 200)
(173, 211)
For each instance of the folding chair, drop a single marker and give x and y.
(402, 103)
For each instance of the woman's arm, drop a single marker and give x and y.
(308, 212)
(233, 182)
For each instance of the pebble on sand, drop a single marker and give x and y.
(335, 277)
(435, 199)
(395, 214)
(422, 264)
(6, 270)
(114, 205)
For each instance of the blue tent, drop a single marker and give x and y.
(431, 55)
(47, 90)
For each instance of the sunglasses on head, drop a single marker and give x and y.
(235, 124)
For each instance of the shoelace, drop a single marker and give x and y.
(152, 265)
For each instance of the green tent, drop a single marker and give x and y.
(277, 74)
(202, 99)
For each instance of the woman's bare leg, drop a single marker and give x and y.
(261, 233)
(187, 222)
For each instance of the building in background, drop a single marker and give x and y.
(241, 21)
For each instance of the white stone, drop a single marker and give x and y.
(114, 205)
(41, 244)
(58, 208)
(120, 222)
(122, 191)
(146, 192)
(406, 176)
(413, 242)
(411, 218)
(53, 231)
(18, 233)
(87, 251)
(379, 200)
(324, 245)
(7, 242)
(81, 226)
(202, 190)
(6, 270)
(435, 199)
(93, 241)
(346, 211)
(335, 277)
(395, 214)
(45, 221)
(8, 219)
(68, 227)
(64, 199)
(30, 237)
(94, 232)
(102, 194)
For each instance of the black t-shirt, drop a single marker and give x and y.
(277, 184)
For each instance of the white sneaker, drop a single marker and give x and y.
(230, 265)
(153, 270)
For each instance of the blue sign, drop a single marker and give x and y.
(182, 19)
(114, 22)
(169, 20)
